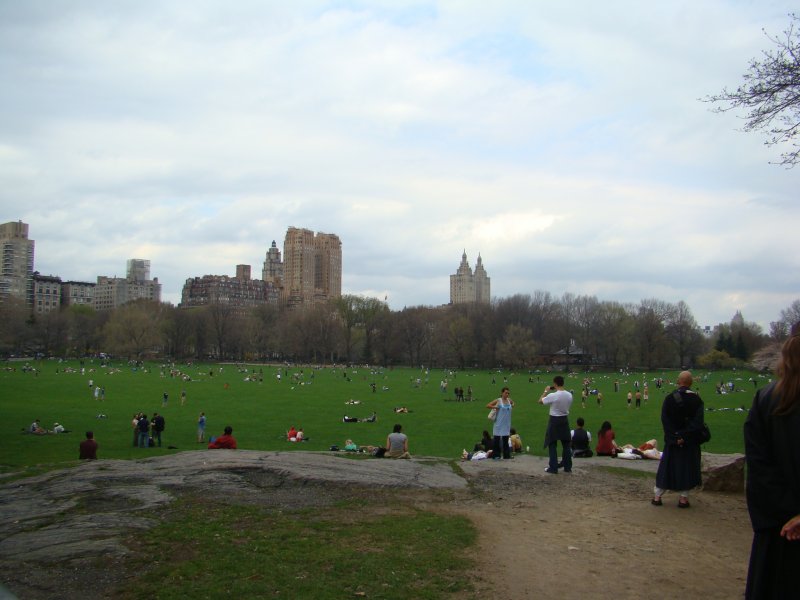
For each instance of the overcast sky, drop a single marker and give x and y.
(563, 141)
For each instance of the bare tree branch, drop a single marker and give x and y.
(771, 93)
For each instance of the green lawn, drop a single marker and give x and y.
(260, 412)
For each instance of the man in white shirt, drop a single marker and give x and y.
(559, 400)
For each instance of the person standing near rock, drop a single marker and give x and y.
(559, 400)
(502, 424)
(682, 419)
(771, 434)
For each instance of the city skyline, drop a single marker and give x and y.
(567, 146)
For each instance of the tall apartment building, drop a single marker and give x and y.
(112, 292)
(16, 270)
(240, 291)
(466, 286)
(312, 269)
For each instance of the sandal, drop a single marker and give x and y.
(683, 504)
(656, 502)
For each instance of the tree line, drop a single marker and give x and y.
(517, 332)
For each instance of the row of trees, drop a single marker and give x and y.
(516, 332)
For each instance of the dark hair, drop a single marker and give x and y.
(228, 430)
(512, 431)
(486, 434)
(89, 435)
(397, 428)
(505, 389)
(558, 380)
(604, 427)
(581, 422)
(788, 371)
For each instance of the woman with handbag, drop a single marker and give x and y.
(502, 424)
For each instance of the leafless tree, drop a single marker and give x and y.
(771, 93)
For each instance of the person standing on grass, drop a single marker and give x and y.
(559, 400)
(502, 424)
(201, 428)
(771, 434)
(682, 419)
(158, 427)
(143, 426)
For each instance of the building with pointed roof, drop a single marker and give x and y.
(468, 287)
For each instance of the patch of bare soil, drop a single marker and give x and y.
(593, 533)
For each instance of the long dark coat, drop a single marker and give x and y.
(682, 418)
(772, 448)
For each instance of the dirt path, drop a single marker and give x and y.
(594, 533)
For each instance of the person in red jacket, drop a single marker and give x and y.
(224, 441)
(88, 447)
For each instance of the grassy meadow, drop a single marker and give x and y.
(260, 407)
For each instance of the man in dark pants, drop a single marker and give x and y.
(158, 427)
(559, 400)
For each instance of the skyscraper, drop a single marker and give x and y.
(312, 269)
(16, 270)
(466, 287)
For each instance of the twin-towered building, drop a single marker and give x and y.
(468, 287)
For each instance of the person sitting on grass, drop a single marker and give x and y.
(88, 447)
(36, 428)
(291, 435)
(397, 443)
(486, 443)
(581, 440)
(225, 441)
(515, 441)
(606, 446)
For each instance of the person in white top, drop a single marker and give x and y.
(559, 400)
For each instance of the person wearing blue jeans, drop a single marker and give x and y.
(144, 431)
(559, 400)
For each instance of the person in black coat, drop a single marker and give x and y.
(772, 451)
(682, 418)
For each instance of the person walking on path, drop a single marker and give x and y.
(559, 400)
(502, 424)
(682, 419)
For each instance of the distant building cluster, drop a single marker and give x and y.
(468, 287)
(44, 293)
(310, 272)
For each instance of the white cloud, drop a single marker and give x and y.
(564, 143)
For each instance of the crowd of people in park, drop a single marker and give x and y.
(770, 431)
